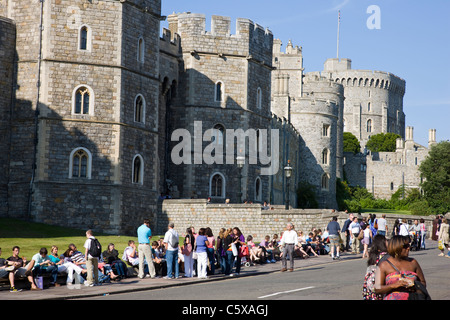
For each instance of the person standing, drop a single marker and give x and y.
(443, 236)
(188, 252)
(334, 236)
(382, 226)
(210, 250)
(145, 251)
(239, 241)
(92, 256)
(355, 229)
(171, 240)
(289, 241)
(201, 245)
(346, 231)
(423, 233)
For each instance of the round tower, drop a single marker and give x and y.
(316, 116)
(373, 100)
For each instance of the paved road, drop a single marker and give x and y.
(329, 281)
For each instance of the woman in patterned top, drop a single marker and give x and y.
(395, 276)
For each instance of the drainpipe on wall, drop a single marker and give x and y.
(36, 114)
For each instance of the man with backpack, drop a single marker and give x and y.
(92, 254)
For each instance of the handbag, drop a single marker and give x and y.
(234, 249)
(420, 292)
(187, 249)
(440, 245)
(361, 235)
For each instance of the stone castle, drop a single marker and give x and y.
(91, 95)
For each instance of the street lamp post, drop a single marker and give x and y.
(240, 163)
(288, 174)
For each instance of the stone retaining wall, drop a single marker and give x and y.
(250, 218)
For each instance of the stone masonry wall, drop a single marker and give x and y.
(250, 219)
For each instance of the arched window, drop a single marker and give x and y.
(217, 186)
(325, 181)
(258, 189)
(82, 100)
(80, 163)
(83, 38)
(259, 98)
(369, 125)
(218, 96)
(368, 107)
(325, 157)
(139, 109)
(138, 170)
(140, 50)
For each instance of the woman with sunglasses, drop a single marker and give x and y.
(399, 276)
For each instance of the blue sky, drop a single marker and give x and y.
(412, 43)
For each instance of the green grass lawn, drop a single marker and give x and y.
(31, 237)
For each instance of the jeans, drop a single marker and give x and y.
(382, 232)
(172, 261)
(121, 267)
(210, 252)
(229, 262)
(53, 270)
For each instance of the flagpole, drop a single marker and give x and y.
(338, 32)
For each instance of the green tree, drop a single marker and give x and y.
(435, 171)
(383, 142)
(351, 143)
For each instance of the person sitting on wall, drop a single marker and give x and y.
(42, 264)
(16, 266)
(160, 263)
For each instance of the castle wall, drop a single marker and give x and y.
(289, 144)
(383, 173)
(115, 72)
(369, 95)
(242, 64)
(319, 108)
(250, 219)
(7, 80)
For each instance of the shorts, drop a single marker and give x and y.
(334, 240)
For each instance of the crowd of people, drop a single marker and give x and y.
(202, 254)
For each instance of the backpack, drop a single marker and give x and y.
(95, 249)
(368, 291)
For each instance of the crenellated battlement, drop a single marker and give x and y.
(250, 40)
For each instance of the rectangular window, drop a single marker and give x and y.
(326, 130)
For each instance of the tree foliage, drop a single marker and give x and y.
(351, 143)
(435, 171)
(383, 142)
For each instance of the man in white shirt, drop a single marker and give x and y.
(171, 242)
(289, 240)
(91, 261)
(382, 225)
(355, 229)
